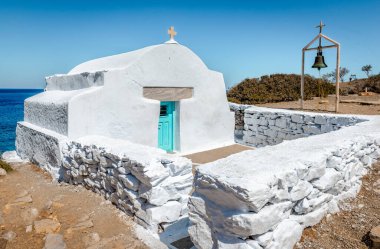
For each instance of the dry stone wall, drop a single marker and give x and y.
(264, 126)
(272, 215)
(239, 120)
(154, 191)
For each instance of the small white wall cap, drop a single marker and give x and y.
(171, 41)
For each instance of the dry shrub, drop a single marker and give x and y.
(277, 88)
(5, 166)
(372, 84)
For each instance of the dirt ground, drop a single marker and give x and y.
(215, 154)
(82, 218)
(349, 228)
(346, 108)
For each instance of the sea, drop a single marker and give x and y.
(12, 111)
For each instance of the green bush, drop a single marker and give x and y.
(277, 88)
(5, 166)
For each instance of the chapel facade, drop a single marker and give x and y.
(162, 96)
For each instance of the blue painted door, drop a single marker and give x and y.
(166, 126)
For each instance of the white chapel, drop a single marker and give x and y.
(161, 96)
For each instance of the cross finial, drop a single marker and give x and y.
(172, 33)
(320, 26)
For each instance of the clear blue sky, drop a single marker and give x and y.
(238, 38)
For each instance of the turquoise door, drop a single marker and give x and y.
(166, 126)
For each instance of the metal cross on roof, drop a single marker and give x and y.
(320, 26)
(172, 33)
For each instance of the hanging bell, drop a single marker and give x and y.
(319, 61)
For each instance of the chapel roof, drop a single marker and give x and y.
(121, 61)
(113, 62)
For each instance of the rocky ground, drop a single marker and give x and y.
(315, 106)
(37, 213)
(349, 229)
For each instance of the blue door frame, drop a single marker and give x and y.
(166, 126)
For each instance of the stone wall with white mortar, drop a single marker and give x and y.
(239, 120)
(143, 181)
(273, 216)
(155, 192)
(264, 198)
(264, 126)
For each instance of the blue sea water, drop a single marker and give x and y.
(11, 111)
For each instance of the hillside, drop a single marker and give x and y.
(356, 86)
(277, 88)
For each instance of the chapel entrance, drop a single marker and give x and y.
(166, 126)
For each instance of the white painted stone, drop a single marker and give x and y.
(317, 170)
(328, 180)
(264, 239)
(375, 154)
(286, 235)
(155, 196)
(301, 190)
(253, 244)
(280, 195)
(232, 243)
(287, 179)
(312, 218)
(199, 230)
(12, 157)
(247, 224)
(334, 162)
(168, 212)
(367, 160)
(308, 205)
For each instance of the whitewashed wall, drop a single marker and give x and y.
(62, 82)
(263, 198)
(142, 182)
(145, 182)
(39, 146)
(118, 109)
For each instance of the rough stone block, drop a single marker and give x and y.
(286, 235)
(320, 120)
(296, 118)
(281, 122)
(301, 190)
(328, 180)
(247, 224)
(168, 212)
